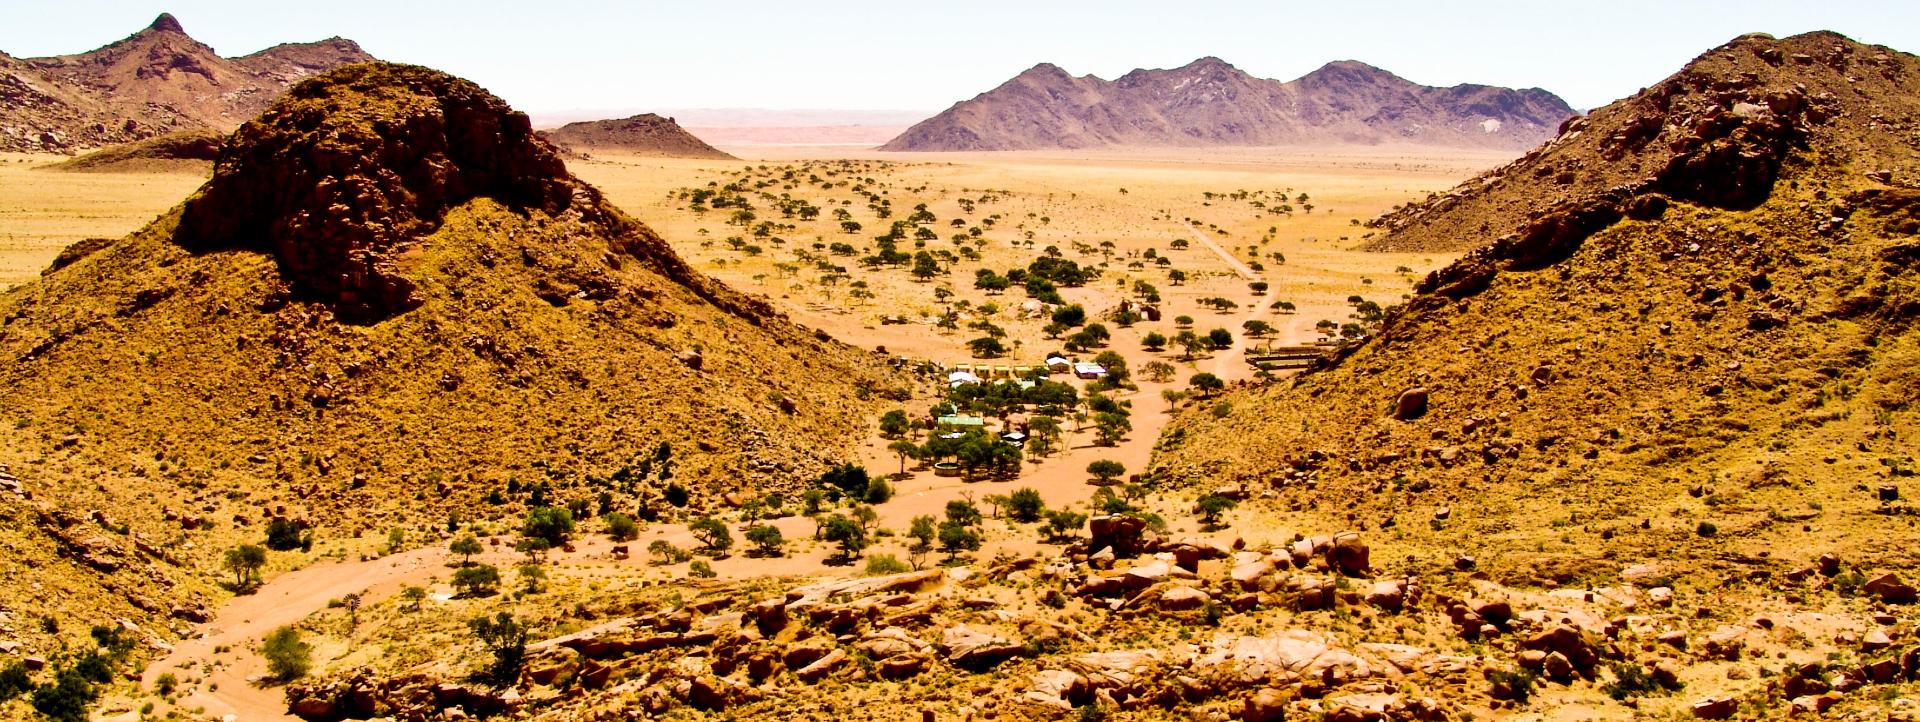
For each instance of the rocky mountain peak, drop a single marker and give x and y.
(166, 23)
(339, 178)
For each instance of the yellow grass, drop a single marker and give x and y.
(42, 211)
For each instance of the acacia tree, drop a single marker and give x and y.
(245, 562)
(1106, 471)
(712, 533)
(905, 450)
(466, 547)
(1206, 384)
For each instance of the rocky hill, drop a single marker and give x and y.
(1696, 357)
(644, 134)
(187, 150)
(1209, 102)
(1851, 102)
(156, 81)
(391, 306)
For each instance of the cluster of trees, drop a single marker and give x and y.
(78, 676)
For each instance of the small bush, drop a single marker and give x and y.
(14, 681)
(700, 569)
(884, 564)
(1706, 529)
(288, 658)
(1518, 681)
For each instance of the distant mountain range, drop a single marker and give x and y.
(1210, 102)
(643, 134)
(156, 81)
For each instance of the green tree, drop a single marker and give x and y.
(1220, 338)
(1106, 471)
(766, 539)
(1211, 506)
(712, 533)
(905, 450)
(284, 535)
(67, 698)
(1025, 505)
(1154, 341)
(894, 424)
(987, 347)
(621, 527)
(414, 595)
(466, 547)
(961, 511)
(288, 658)
(1158, 372)
(1062, 523)
(549, 524)
(922, 532)
(878, 492)
(477, 580)
(1206, 384)
(1110, 428)
(847, 533)
(244, 562)
(531, 575)
(957, 537)
(506, 640)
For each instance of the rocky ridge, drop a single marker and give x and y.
(1210, 102)
(645, 134)
(156, 81)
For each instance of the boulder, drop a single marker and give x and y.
(1266, 705)
(1389, 595)
(1348, 555)
(1716, 708)
(1248, 575)
(1580, 649)
(1058, 688)
(821, 667)
(904, 666)
(1890, 589)
(975, 649)
(1122, 533)
(1411, 404)
(801, 655)
(1179, 599)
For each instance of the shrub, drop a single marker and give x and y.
(506, 640)
(700, 569)
(1025, 505)
(766, 539)
(288, 658)
(1519, 682)
(548, 524)
(66, 699)
(878, 492)
(883, 564)
(14, 681)
(1706, 528)
(476, 580)
(284, 535)
(621, 527)
(712, 533)
(1632, 680)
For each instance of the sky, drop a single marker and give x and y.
(558, 57)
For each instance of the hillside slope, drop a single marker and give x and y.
(1699, 366)
(1851, 101)
(1209, 102)
(644, 134)
(156, 81)
(391, 306)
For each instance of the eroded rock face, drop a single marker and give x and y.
(340, 177)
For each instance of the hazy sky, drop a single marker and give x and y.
(563, 55)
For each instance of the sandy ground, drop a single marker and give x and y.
(1106, 209)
